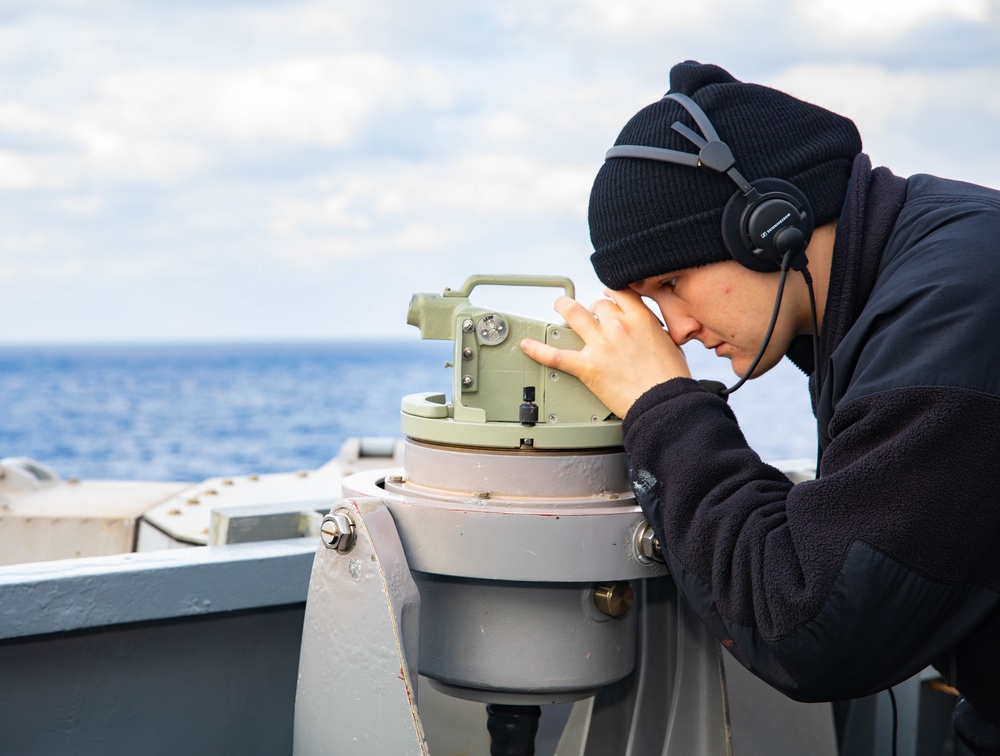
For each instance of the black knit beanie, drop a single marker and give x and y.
(648, 217)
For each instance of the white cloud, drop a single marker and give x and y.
(318, 252)
(934, 121)
(420, 237)
(316, 100)
(18, 172)
(506, 128)
(43, 271)
(621, 20)
(885, 20)
(335, 212)
(292, 145)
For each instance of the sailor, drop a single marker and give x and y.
(758, 227)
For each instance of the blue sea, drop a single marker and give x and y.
(189, 412)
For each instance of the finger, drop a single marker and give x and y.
(625, 298)
(566, 360)
(605, 307)
(631, 302)
(578, 317)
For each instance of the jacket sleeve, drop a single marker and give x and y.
(842, 586)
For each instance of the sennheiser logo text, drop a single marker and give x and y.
(783, 219)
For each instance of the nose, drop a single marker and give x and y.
(680, 325)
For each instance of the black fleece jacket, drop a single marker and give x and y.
(840, 587)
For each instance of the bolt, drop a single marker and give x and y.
(337, 531)
(468, 380)
(468, 354)
(480, 494)
(646, 546)
(396, 479)
(614, 599)
(468, 326)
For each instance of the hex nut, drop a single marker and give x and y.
(646, 546)
(337, 531)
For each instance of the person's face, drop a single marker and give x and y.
(726, 307)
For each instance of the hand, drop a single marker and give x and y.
(626, 349)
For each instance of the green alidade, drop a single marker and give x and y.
(501, 398)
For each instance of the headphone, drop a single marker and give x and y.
(766, 225)
(763, 222)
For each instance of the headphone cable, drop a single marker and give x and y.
(895, 719)
(785, 264)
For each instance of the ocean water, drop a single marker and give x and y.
(189, 412)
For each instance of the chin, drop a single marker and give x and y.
(740, 366)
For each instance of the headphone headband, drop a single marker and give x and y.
(713, 153)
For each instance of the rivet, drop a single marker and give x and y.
(614, 599)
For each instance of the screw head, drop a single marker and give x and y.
(468, 326)
(337, 531)
(467, 381)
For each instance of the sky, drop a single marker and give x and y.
(285, 170)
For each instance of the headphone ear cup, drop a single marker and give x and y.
(745, 227)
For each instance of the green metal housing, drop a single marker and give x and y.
(490, 374)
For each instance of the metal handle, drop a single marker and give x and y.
(513, 279)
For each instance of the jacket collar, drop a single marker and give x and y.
(871, 207)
